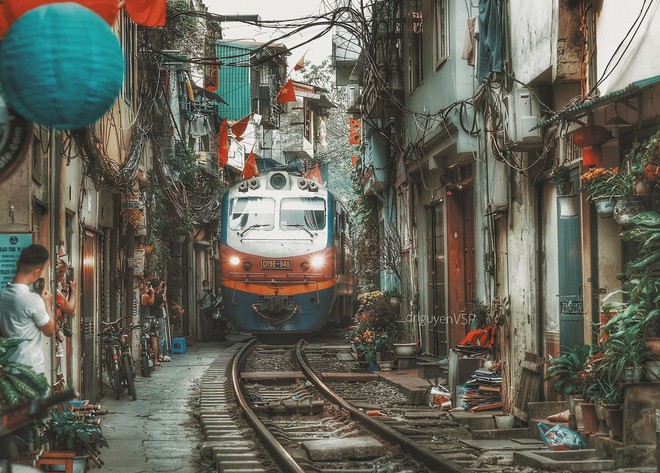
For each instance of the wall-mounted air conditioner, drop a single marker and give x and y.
(523, 113)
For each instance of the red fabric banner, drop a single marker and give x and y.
(250, 169)
(147, 12)
(238, 128)
(315, 174)
(354, 125)
(223, 144)
(300, 65)
(286, 93)
(12, 10)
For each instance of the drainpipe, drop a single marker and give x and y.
(55, 201)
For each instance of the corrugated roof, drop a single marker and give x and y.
(584, 107)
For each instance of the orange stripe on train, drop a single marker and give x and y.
(267, 289)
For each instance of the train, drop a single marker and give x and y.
(285, 262)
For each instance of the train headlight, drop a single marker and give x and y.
(247, 266)
(317, 262)
(234, 260)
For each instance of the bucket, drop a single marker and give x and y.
(504, 421)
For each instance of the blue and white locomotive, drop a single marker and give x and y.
(284, 255)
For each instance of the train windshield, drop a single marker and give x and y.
(302, 212)
(252, 212)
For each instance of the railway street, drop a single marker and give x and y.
(158, 432)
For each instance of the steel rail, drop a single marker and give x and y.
(281, 457)
(426, 456)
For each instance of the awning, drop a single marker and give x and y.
(207, 93)
(585, 107)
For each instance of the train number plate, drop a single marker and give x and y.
(275, 264)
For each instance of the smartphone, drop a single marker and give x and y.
(39, 286)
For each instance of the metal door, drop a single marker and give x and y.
(88, 309)
(571, 311)
(436, 284)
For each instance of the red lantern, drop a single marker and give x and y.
(591, 135)
(12, 10)
(592, 156)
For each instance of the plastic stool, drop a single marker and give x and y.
(179, 345)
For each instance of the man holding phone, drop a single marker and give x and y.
(25, 314)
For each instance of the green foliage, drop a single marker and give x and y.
(377, 324)
(641, 311)
(561, 176)
(565, 370)
(67, 431)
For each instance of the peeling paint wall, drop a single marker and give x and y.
(530, 37)
(640, 59)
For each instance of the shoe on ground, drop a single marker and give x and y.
(167, 358)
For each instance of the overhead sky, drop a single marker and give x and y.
(315, 52)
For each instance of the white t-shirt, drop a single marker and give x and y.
(22, 312)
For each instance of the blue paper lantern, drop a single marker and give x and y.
(61, 66)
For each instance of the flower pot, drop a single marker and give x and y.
(632, 374)
(405, 349)
(626, 208)
(654, 345)
(641, 187)
(80, 464)
(504, 421)
(589, 417)
(385, 365)
(569, 206)
(601, 413)
(604, 206)
(572, 400)
(615, 421)
(652, 371)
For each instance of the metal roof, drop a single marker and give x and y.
(585, 107)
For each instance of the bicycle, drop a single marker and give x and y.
(149, 330)
(118, 357)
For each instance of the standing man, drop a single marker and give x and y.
(24, 314)
(205, 299)
(157, 309)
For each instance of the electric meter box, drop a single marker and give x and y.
(523, 112)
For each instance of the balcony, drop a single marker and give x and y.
(294, 145)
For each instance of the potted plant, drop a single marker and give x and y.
(567, 374)
(625, 354)
(605, 186)
(561, 176)
(66, 431)
(611, 398)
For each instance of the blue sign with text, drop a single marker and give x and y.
(11, 245)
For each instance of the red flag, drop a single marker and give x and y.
(300, 64)
(147, 12)
(315, 174)
(239, 128)
(250, 168)
(354, 131)
(223, 144)
(286, 93)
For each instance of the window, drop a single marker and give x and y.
(440, 29)
(416, 53)
(37, 160)
(302, 212)
(246, 213)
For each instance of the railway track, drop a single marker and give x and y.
(268, 408)
(306, 427)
